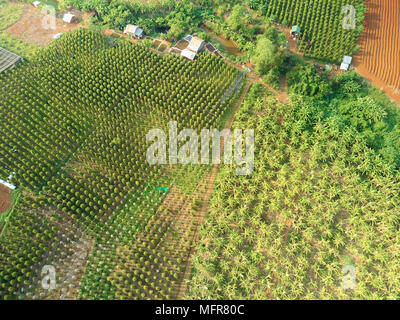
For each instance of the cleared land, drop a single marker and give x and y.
(5, 199)
(30, 28)
(379, 57)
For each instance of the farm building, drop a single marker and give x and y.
(346, 63)
(8, 59)
(57, 36)
(295, 31)
(188, 54)
(36, 3)
(69, 18)
(134, 31)
(196, 44)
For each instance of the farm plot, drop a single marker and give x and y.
(319, 201)
(323, 35)
(379, 57)
(5, 199)
(32, 27)
(90, 107)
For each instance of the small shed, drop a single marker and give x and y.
(134, 31)
(188, 54)
(346, 63)
(69, 18)
(57, 36)
(295, 31)
(344, 66)
(347, 59)
(196, 44)
(36, 3)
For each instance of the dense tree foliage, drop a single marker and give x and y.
(73, 127)
(320, 199)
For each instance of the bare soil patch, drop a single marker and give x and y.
(5, 198)
(30, 28)
(379, 57)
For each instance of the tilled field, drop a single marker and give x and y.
(379, 57)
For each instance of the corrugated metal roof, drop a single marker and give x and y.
(188, 54)
(130, 28)
(7, 59)
(195, 44)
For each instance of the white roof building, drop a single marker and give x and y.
(344, 66)
(347, 59)
(68, 17)
(196, 44)
(346, 63)
(36, 3)
(186, 53)
(57, 36)
(134, 30)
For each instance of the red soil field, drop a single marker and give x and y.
(379, 57)
(29, 28)
(5, 198)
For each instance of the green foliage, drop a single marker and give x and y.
(322, 34)
(90, 108)
(318, 200)
(237, 17)
(305, 80)
(9, 14)
(18, 46)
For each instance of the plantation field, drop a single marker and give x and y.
(321, 202)
(323, 36)
(4, 199)
(80, 160)
(378, 59)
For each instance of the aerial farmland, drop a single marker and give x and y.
(199, 150)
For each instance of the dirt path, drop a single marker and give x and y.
(379, 57)
(34, 27)
(5, 199)
(207, 194)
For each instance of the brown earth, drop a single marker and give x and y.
(5, 198)
(379, 57)
(31, 30)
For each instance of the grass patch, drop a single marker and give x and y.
(9, 14)
(13, 44)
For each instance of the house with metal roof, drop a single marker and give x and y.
(196, 44)
(69, 18)
(134, 31)
(295, 31)
(8, 59)
(346, 63)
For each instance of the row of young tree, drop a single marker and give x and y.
(318, 217)
(329, 28)
(75, 124)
